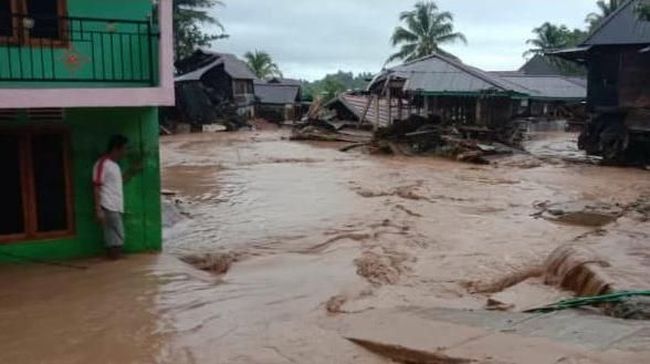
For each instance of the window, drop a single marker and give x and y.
(6, 19)
(36, 189)
(32, 21)
(243, 87)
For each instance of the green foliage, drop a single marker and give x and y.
(551, 37)
(644, 11)
(189, 15)
(333, 84)
(424, 29)
(262, 64)
(605, 8)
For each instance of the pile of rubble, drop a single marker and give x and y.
(416, 135)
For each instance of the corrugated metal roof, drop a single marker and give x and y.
(285, 81)
(278, 94)
(548, 87)
(621, 27)
(439, 74)
(233, 66)
(357, 105)
(236, 68)
(540, 65)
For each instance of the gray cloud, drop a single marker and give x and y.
(310, 38)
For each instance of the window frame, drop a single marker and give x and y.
(14, 38)
(246, 86)
(21, 35)
(28, 188)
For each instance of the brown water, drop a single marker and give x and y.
(309, 233)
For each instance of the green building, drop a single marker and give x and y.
(73, 73)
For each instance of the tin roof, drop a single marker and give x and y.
(276, 93)
(439, 74)
(549, 87)
(233, 66)
(623, 27)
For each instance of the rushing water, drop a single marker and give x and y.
(310, 233)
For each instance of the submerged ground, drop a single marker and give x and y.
(307, 235)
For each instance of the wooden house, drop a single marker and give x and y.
(617, 56)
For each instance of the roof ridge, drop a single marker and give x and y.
(476, 72)
(607, 20)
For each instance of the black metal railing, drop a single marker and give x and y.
(73, 49)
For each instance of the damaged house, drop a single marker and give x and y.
(436, 85)
(461, 94)
(279, 99)
(214, 88)
(617, 56)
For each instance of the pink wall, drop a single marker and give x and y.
(163, 95)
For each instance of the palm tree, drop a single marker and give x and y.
(605, 9)
(426, 28)
(644, 11)
(551, 37)
(189, 15)
(262, 64)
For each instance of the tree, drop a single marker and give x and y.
(333, 84)
(262, 64)
(331, 88)
(550, 37)
(644, 11)
(189, 15)
(605, 8)
(425, 29)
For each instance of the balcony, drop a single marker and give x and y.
(52, 51)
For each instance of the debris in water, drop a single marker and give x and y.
(416, 135)
(404, 355)
(496, 305)
(218, 263)
(334, 304)
(579, 213)
(381, 269)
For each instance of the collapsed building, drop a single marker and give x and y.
(214, 88)
(279, 99)
(461, 94)
(439, 105)
(617, 56)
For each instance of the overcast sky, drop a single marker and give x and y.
(310, 38)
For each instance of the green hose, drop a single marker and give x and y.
(589, 301)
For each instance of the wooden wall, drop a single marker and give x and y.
(634, 87)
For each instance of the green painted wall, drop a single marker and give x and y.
(90, 130)
(117, 52)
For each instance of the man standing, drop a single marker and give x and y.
(109, 197)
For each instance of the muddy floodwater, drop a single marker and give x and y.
(294, 236)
